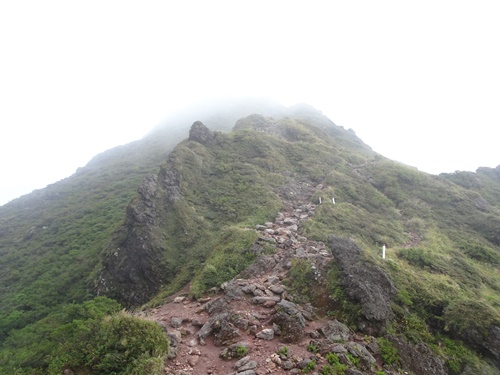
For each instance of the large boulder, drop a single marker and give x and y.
(334, 331)
(222, 327)
(364, 283)
(290, 321)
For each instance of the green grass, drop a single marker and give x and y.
(93, 337)
(443, 251)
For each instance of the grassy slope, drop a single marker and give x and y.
(443, 254)
(51, 238)
(231, 185)
(443, 249)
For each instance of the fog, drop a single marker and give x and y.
(418, 82)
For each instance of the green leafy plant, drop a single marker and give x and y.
(388, 352)
(313, 348)
(284, 351)
(309, 367)
(327, 370)
(241, 351)
(334, 364)
(354, 360)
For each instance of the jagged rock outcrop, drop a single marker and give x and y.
(200, 133)
(131, 270)
(364, 283)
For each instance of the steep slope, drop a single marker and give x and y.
(196, 219)
(206, 213)
(211, 189)
(50, 240)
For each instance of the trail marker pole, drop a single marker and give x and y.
(319, 200)
(333, 200)
(383, 251)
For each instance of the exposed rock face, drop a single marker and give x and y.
(418, 358)
(365, 283)
(131, 273)
(488, 342)
(200, 133)
(133, 263)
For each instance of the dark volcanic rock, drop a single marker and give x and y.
(234, 351)
(200, 133)
(364, 283)
(290, 321)
(335, 331)
(487, 341)
(418, 358)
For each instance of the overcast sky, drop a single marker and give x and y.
(419, 81)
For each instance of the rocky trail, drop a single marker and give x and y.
(252, 326)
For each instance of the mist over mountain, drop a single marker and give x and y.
(249, 191)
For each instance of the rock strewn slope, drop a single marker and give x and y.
(252, 325)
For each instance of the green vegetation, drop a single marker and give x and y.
(93, 337)
(241, 351)
(50, 240)
(309, 367)
(312, 348)
(284, 351)
(301, 278)
(334, 366)
(443, 252)
(354, 360)
(342, 307)
(388, 352)
(230, 255)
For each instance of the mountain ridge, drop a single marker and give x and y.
(193, 219)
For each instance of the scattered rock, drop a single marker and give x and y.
(287, 365)
(277, 289)
(250, 365)
(335, 331)
(265, 334)
(193, 360)
(175, 322)
(237, 350)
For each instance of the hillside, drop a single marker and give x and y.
(199, 219)
(50, 240)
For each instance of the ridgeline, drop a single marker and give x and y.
(287, 203)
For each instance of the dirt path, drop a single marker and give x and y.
(251, 301)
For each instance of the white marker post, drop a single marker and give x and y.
(319, 200)
(383, 251)
(333, 200)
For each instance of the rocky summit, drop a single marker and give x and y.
(254, 240)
